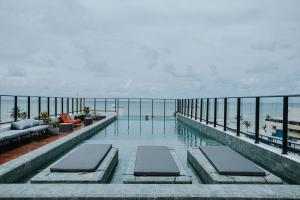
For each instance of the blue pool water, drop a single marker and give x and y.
(126, 135)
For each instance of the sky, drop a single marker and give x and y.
(156, 49)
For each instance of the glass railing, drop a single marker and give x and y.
(273, 120)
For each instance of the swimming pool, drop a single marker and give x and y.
(126, 135)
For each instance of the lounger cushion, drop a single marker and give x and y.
(228, 162)
(155, 161)
(12, 134)
(38, 128)
(33, 122)
(84, 159)
(20, 125)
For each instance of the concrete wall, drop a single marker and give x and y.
(17, 169)
(285, 166)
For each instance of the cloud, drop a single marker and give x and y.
(16, 71)
(139, 48)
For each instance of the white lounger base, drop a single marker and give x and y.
(210, 175)
(101, 175)
(130, 178)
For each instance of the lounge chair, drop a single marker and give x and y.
(156, 164)
(89, 163)
(222, 165)
(66, 118)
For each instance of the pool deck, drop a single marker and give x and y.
(19, 168)
(15, 150)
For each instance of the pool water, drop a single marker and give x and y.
(126, 135)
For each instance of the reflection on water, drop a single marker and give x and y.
(126, 135)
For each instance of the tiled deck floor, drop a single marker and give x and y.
(13, 150)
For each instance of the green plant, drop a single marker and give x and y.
(86, 109)
(247, 124)
(45, 117)
(19, 112)
(265, 128)
(53, 124)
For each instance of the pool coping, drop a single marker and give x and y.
(15, 170)
(148, 191)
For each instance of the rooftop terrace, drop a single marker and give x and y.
(182, 125)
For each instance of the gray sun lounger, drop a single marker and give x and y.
(155, 161)
(222, 165)
(228, 162)
(155, 164)
(89, 163)
(84, 159)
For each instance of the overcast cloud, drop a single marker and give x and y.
(142, 48)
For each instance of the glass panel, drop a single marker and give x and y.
(7, 108)
(248, 116)
(44, 104)
(231, 113)
(89, 103)
(58, 106)
(100, 105)
(34, 107)
(110, 105)
(211, 110)
(123, 108)
(204, 102)
(294, 123)
(146, 108)
(22, 105)
(52, 106)
(158, 108)
(134, 108)
(220, 112)
(271, 110)
(170, 108)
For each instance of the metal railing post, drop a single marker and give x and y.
(28, 107)
(76, 105)
(225, 114)
(15, 108)
(257, 104)
(164, 109)
(62, 105)
(105, 103)
(95, 109)
(55, 106)
(39, 107)
(188, 108)
(140, 109)
(196, 109)
(285, 125)
(215, 112)
(201, 109)
(68, 105)
(192, 109)
(207, 110)
(80, 105)
(115, 105)
(48, 105)
(72, 105)
(238, 117)
(152, 107)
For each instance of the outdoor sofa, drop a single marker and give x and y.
(20, 129)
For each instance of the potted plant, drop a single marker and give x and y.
(53, 127)
(44, 116)
(86, 110)
(19, 112)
